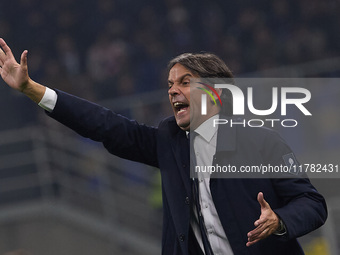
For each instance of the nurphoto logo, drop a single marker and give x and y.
(281, 97)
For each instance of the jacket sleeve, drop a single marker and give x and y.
(304, 208)
(120, 136)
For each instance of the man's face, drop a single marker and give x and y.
(187, 113)
(179, 94)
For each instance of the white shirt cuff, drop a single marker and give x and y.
(49, 100)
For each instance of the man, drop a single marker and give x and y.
(212, 216)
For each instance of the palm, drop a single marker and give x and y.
(12, 74)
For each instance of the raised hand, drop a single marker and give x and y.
(266, 225)
(13, 73)
(16, 75)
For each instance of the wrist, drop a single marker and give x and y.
(33, 90)
(281, 229)
(25, 87)
(281, 226)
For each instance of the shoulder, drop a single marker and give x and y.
(169, 125)
(267, 141)
(166, 121)
(259, 135)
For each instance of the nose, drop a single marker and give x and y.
(174, 90)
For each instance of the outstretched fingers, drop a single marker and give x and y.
(2, 57)
(5, 49)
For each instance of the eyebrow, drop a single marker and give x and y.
(181, 78)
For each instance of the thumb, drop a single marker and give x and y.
(23, 60)
(263, 203)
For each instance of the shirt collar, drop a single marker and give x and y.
(207, 130)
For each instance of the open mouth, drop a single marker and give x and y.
(180, 107)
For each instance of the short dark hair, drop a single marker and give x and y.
(207, 65)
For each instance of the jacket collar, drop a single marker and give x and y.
(226, 135)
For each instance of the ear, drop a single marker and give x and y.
(219, 91)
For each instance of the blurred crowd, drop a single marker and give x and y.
(101, 49)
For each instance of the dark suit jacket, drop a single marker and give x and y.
(296, 201)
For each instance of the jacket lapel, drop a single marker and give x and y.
(181, 150)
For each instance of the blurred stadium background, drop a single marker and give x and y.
(62, 194)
